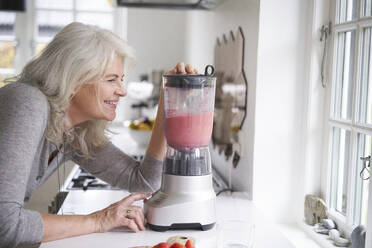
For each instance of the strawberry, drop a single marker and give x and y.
(177, 245)
(189, 244)
(162, 245)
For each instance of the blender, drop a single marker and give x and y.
(186, 199)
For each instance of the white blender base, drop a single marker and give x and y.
(189, 203)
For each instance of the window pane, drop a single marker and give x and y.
(55, 4)
(343, 89)
(340, 169)
(346, 10)
(2, 78)
(99, 5)
(366, 8)
(365, 91)
(7, 24)
(361, 187)
(7, 51)
(102, 20)
(39, 47)
(50, 22)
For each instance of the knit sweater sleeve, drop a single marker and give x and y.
(23, 112)
(117, 168)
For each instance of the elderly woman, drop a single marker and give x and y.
(58, 110)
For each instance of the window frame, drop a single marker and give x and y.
(75, 12)
(345, 223)
(25, 31)
(15, 40)
(11, 39)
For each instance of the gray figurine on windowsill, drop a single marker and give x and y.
(358, 237)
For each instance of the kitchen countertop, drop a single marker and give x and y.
(234, 206)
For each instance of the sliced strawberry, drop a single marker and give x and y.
(177, 245)
(189, 244)
(162, 245)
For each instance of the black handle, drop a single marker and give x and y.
(206, 72)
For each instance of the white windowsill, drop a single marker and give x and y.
(302, 235)
(321, 239)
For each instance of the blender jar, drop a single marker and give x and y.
(188, 116)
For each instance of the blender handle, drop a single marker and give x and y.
(206, 72)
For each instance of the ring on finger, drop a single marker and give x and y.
(128, 214)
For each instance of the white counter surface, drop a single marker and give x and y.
(229, 207)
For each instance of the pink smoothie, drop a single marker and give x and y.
(189, 130)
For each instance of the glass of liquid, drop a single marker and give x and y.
(236, 234)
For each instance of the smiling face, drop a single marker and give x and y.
(98, 101)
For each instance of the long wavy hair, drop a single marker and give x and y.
(78, 54)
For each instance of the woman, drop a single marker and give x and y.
(57, 111)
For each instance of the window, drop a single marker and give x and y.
(7, 46)
(53, 15)
(350, 115)
(23, 35)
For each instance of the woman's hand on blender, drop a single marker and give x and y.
(121, 213)
(180, 68)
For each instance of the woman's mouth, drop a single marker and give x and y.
(111, 104)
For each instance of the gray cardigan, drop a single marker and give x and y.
(24, 153)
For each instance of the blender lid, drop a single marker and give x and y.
(191, 81)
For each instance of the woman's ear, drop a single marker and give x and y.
(72, 94)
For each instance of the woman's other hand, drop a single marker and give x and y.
(180, 68)
(121, 213)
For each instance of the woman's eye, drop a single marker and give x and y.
(114, 80)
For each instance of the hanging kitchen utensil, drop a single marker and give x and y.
(231, 91)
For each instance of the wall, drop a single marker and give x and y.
(276, 59)
(203, 29)
(229, 16)
(200, 38)
(313, 179)
(279, 123)
(158, 36)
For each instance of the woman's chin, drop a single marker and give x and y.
(110, 117)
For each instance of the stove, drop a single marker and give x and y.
(79, 179)
(82, 180)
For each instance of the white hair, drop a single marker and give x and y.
(78, 54)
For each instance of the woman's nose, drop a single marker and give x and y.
(120, 90)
